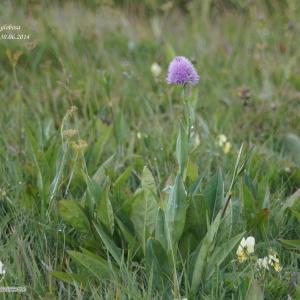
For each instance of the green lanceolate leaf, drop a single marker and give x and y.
(158, 261)
(121, 180)
(100, 175)
(73, 214)
(148, 182)
(144, 208)
(97, 185)
(220, 253)
(71, 278)
(109, 243)
(249, 206)
(254, 292)
(196, 217)
(214, 194)
(290, 244)
(201, 255)
(105, 212)
(191, 171)
(96, 265)
(160, 230)
(127, 235)
(120, 128)
(176, 211)
(182, 149)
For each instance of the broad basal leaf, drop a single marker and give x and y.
(105, 212)
(96, 265)
(71, 278)
(109, 243)
(220, 253)
(157, 261)
(201, 256)
(160, 230)
(214, 194)
(73, 214)
(144, 208)
(121, 180)
(196, 217)
(176, 211)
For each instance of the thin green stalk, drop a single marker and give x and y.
(62, 163)
(187, 112)
(72, 174)
(237, 171)
(57, 177)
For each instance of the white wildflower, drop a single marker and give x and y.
(245, 248)
(274, 262)
(222, 140)
(224, 143)
(155, 69)
(263, 263)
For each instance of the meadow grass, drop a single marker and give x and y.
(82, 115)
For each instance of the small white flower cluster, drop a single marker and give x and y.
(270, 260)
(246, 248)
(223, 143)
(155, 69)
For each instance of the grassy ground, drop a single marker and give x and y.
(52, 204)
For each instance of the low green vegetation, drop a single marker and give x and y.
(116, 185)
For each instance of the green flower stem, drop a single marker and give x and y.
(187, 113)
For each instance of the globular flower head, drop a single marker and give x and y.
(182, 71)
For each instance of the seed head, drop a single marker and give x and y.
(80, 145)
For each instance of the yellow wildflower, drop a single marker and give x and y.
(226, 147)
